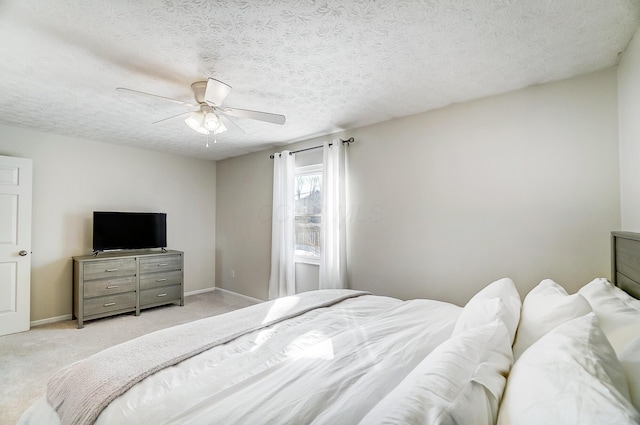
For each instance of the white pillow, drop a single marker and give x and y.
(569, 376)
(460, 382)
(499, 299)
(479, 313)
(617, 311)
(630, 361)
(545, 307)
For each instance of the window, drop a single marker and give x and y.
(308, 213)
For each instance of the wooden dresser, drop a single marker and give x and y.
(114, 283)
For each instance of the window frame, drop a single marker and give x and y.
(300, 171)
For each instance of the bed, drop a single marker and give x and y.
(350, 357)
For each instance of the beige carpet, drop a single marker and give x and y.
(28, 359)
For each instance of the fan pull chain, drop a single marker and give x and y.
(215, 139)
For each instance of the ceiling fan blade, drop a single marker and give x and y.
(255, 115)
(173, 116)
(229, 124)
(155, 95)
(216, 92)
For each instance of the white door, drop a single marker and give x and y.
(15, 244)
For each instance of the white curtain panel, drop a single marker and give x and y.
(333, 250)
(282, 280)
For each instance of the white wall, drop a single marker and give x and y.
(243, 223)
(524, 185)
(73, 177)
(629, 128)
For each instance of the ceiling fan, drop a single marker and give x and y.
(211, 116)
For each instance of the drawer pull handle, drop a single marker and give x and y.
(161, 280)
(162, 295)
(162, 264)
(111, 270)
(112, 287)
(108, 304)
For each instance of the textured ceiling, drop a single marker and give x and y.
(327, 65)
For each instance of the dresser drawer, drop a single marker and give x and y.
(109, 268)
(154, 280)
(160, 263)
(96, 288)
(159, 295)
(109, 303)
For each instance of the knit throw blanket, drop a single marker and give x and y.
(80, 391)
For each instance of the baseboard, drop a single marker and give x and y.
(51, 320)
(239, 295)
(199, 291)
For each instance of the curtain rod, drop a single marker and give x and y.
(348, 141)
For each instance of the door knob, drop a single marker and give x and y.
(23, 253)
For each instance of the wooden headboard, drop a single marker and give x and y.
(625, 261)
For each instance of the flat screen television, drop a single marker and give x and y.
(128, 230)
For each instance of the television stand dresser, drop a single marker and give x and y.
(111, 283)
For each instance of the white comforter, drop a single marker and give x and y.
(331, 365)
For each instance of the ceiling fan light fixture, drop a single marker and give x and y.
(213, 123)
(195, 121)
(221, 128)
